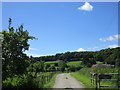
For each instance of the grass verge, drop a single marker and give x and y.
(52, 82)
(86, 81)
(82, 78)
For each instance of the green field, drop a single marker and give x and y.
(51, 62)
(71, 63)
(74, 63)
(97, 62)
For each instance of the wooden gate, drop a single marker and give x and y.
(96, 79)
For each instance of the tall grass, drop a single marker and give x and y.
(51, 83)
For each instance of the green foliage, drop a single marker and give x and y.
(24, 81)
(46, 67)
(38, 66)
(88, 58)
(35, 68)
(72, 68)
(52, 68)
(62, 65)
(15, 42)
(88, 62)
(51, 83)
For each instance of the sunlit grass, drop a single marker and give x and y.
(74, 63)
(82, 78)
(51, 62)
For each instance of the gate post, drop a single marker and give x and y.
(91, 78)
(96, 77)
(98, 81)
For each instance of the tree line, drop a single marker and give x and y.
(109, 56)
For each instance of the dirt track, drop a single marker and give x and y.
(66, 81)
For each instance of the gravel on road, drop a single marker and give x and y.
(66, 81)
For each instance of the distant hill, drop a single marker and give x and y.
(109, 56)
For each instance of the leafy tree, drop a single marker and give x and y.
(46, 67)
(52, 68)
(72, 68)
(15, 43)
(111, 59)
(62, 65)
(38, 67)
(88, 62)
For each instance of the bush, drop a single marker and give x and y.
(22, 82)
(52, 68)
(72, 68)
(14, 82)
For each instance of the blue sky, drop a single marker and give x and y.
(65, 26)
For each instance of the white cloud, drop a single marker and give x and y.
(110, 38)
(86, 7)
(93, 47)
(33, 49)
(80, 49)
(101, 39)
(113, 46)
(34, 55)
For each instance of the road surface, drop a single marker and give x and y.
(66, 81)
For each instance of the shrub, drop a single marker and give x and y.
(72, 68)
(52, 68)
(22, 82)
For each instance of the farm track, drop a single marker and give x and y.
(66, 81)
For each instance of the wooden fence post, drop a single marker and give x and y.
(96, 81)
(45, 79)
(42, 79)
(94, 78)
(118, 81)
(91, 77)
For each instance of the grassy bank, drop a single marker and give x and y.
(84, 76)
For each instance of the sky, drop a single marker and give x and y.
(65, 26)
